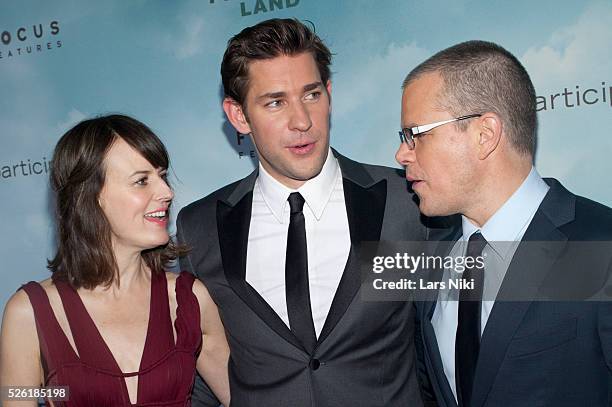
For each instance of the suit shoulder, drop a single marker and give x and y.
(384, 172)
(209, 202)
(593, 218)
(586, 205)
(397, 185)
(395, 176)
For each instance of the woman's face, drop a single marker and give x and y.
(135, 199)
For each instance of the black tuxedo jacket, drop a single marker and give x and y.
(365, 353)
(538, 353)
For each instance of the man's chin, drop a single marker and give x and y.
(430, 210)
(425, 211)
(306, 175)
(307, 172)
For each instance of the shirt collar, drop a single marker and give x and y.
(510, 221)
(316, 191)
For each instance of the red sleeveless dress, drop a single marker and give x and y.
(167, 370)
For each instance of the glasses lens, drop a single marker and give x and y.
(405, 137)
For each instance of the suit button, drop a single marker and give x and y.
(314, 364)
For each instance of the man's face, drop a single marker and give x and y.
(442, 166)
(287, 115)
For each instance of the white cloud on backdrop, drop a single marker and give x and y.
(366, 98)
(191, 36)
(372, 81)
(193, 28)
(571, 144)
(73, 117)
(579, 51)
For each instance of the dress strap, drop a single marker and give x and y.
(92, 349)
(160, 338)
(187, 323)
(54, 345)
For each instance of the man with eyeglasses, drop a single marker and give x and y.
(468, 140)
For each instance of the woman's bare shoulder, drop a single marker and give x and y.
(19, 314)
(19, 307)
(19, 304)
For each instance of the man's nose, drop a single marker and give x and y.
(300, 118)
(404, 155)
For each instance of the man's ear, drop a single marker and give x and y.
(328, 86)
(235, 114)
(490, 129)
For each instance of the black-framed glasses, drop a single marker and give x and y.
(408, 134)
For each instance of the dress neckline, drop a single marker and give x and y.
(92, 348)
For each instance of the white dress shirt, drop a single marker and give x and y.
(327, 238)
(503, 232)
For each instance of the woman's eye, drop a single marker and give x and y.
(142, 181)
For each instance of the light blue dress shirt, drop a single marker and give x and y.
(503, 232)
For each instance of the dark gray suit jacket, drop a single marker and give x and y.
(539, 353)
(365, 353)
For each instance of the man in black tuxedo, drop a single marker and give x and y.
(277, 249)
(469, 136)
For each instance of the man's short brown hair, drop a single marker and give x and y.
(266, 40)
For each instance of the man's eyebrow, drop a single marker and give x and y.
(312, 86)
(277, 95)
(271, 95)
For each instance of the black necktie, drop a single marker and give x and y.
(467, 341)
(296, 276)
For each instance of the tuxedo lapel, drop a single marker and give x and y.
(365, 208)
(233, 221)
(527, 270)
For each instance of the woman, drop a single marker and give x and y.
(110, 323)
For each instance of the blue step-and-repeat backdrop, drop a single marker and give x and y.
(65, 60)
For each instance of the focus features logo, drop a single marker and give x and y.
(30, 39)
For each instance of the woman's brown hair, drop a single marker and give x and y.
(84, 256)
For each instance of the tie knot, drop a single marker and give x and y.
(296, 202)
(476, 244)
